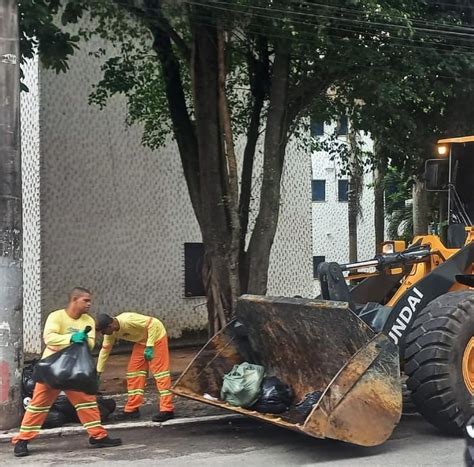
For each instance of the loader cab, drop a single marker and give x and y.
(451, 174)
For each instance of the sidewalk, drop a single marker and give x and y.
(114, 385)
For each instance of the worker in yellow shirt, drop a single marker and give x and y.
(62, 328)
(149, 352)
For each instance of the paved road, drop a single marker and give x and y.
(244, 442)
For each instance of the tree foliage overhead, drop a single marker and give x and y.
(424, 91)
(213, 71)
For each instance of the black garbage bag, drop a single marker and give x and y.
(27, 380)
(71, 368)
(106, 407)
(276, 396)
(309, 401)
(63, 405)
(54, 419)
(62, 411)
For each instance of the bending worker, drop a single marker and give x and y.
(150, 351)
(62, 328)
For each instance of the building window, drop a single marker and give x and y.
(343, 190)
(317, 127)
(343, 126)
(317, 260)
(193, 262)
(318, 188)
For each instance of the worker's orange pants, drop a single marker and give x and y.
(38, 408)
(137, 372)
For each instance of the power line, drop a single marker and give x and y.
(235, 8)
(427, 5)
(339, 28)
(356, 11)
(443, 47)
(344, 63)
(402, 40)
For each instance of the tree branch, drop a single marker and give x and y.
(232, 198)
(275, 140)
(301, 97)
(259, 84)
(153, 16)
(166, 26)
(183, 128)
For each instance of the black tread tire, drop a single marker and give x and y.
(408, 406)
(433, 360)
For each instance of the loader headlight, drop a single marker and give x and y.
(442, 150)
(393, 246)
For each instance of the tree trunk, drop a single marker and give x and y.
(183, 128)
(202, 148)
(208, 158)
(420, 209)
(355, 192)
(218, 210)
(232, 198)
(11, 319)
(259, 83)
(379, 199)
(276, 138)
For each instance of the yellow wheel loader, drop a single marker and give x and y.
(412, 311)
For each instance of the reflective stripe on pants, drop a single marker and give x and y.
(137, 372)
(44, 397)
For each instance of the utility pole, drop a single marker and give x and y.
(11, 280)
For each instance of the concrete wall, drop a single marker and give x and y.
(115, 215)
(330, 217)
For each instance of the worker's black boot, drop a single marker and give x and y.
(125, 416)
(163, 416)
(105, 442)
(21, 449)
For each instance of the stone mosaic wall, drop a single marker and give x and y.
(30, 147)
(115, 215)
(330, 218)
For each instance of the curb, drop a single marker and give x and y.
(74, 430)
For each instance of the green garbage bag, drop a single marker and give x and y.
(241, 386)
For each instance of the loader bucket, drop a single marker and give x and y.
(312, 345)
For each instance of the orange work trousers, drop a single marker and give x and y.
(38, 408)
(137, 372)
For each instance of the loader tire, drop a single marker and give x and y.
(408, 407)
(436, 348)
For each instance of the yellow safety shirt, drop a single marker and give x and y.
(59, 328)
(134, 327)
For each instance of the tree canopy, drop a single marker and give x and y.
(212, 71)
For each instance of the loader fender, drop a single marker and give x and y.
(417, 297)
(406, 315)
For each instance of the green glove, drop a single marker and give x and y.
(79, 337)
(148, 354)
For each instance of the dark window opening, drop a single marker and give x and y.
(318, 189)
(317, 260)
(343, 126)
(343, 190)
(193, 262)
(317, 127)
